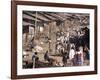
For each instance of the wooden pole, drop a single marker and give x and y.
(49, 37)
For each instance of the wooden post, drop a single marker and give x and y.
(26, 37)
(49, 37)
(52, 37)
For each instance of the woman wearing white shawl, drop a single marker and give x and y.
(71, 55)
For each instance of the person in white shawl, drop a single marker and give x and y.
(71, 55)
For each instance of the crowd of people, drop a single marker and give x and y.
(73, 49)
